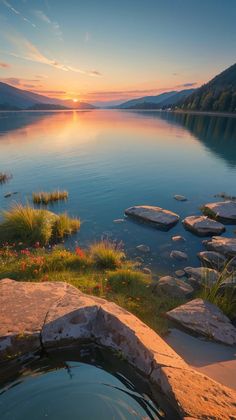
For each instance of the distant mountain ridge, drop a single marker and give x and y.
(219, 94)
(14, 98)
(164, 100)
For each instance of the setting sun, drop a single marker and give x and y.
(75, 100)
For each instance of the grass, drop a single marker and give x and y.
(125, 285)
(208, 212)
(49, 197)
(28, 225)
(224, 298)
(4, 177)
(106, 254)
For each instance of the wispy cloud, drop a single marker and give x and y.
(21, 82)
(4, 65)
(28, 51)
(189, 84)
(135, 93)
(17, 12)
(53, 24)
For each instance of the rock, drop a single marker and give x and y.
(222, 210)
(143, 248)
(8, 195)
(180, 197)
(178, 255)
(194, 283)
(180, 273)
(147, 270)
(118, 220)
(202, 274)
(139, 259)
(46, 315)
(203, 226)
(204, 318)
(178, 238)
(223, 245)
(212, 259)
(156, 216)
(174, 287)
(225, 196)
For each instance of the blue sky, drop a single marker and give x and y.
(112, 50)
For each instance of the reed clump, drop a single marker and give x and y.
(28, 225)
(4, 177)
(44, 197)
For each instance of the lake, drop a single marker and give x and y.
(111, 160)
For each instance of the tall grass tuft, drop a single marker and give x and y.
(4, 177)
(28, 225)
(220, 294)
(106, 254)
(64, 226)
(49, 197)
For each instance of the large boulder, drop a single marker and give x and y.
(204, 318)
(156, 216)
(202, 274)
(174, 287)
(222, 210)
(212, 259)
(223, 245)
(45, 315)
(203, 226)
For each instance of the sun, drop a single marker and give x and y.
(75, 100)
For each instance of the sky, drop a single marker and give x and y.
(109, 51)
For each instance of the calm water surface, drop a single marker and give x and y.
(63, 387)
(110, 160)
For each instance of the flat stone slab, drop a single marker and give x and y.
(156, 216)
(174, 287)
(202, 274)
(203, 226)
(223, 245)
(222, 210)
(212, 259)
(206, 319)
(58, 314)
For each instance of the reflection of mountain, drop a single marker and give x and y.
(218, 134)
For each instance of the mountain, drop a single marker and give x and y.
(164, 100)
(14, 98)
(217, 95)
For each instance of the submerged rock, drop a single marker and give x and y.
(178, 255)
(156, 216)
(202, 274)
(222, 210)
(206, 319)
(203, 226)
(223, 245)
(212, 259)
(174, 287)
(118, 220)
(179, 197)
(143, 248)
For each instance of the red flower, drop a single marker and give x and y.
(79, 252)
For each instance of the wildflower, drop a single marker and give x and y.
(79, 252)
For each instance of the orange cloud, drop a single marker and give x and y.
(4, 65)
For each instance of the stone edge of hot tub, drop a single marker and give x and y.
(46, 315)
